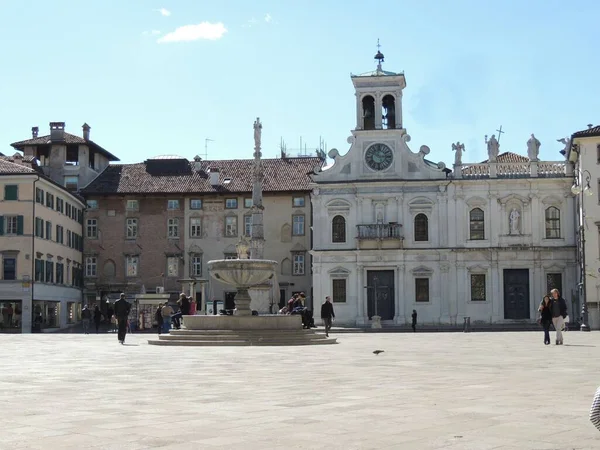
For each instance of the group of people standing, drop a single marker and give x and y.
(553, 311)
(165, 314)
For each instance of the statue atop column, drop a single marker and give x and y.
(257, 237)
(533, 148)
(257, 133)
(459, 149)
(493, 147)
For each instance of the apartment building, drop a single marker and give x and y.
(41, 247)
(152, 227)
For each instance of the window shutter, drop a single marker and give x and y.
(11, 192)
(19, 225)
(1, 225)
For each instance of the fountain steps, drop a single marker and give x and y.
(215, 338)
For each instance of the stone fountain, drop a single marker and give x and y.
(245, 273)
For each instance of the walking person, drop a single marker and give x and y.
(86, 318)
(122, 308)
(159, 318)
(558, 306)
(327, 314)
(97, 318)
(545, 310)
(414, 320)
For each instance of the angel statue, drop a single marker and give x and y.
(567, 142)
(459, 149)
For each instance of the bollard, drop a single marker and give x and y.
(467, 325)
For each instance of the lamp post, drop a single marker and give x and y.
(586, 191)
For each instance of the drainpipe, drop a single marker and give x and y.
(32, 255)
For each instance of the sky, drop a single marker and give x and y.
(156, 77)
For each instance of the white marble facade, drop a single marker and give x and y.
(483, 241)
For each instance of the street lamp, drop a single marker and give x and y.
(586, 191)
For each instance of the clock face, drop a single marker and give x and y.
(379, 157)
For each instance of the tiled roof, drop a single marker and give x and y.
(69, 139)
(590, 132)
(179, 176)
(7, 167)
(508, 157)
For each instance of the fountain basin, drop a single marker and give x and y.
(242, 273)
(243, 322)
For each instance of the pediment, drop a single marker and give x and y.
(554, 268)
(552, 200)
(338, 203)
(195, 249)
(514, 198)
(421, 204)
(476, 201)
(339, 272)
(477, 268)
(422, 270)
(298, 248)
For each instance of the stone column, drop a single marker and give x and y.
(493, 170)
(378, 111)
(400, 297)
(359, 112)
(443, 219)
(534, 169)
(361, 314)
(204, 299)
(398, 112)
(496, 293)
(399, 201)
(458, 171)
(458, 307)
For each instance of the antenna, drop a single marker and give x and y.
(206, 141)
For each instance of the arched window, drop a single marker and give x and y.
(368, 110)
(552, 223)
(338, 229)
(421, 228)
(388, 113)
(476, 224)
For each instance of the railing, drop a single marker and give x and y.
(533, 169)
(379, 231)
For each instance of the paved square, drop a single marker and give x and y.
(426, 391)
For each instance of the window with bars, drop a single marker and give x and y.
(231, 226)
(196, 265)
(298, 264)
(92, 229)
(421, 228)
(476, 224)
(298, 225)
(91, 265)
(195, 227)
(132, 228)
(478, 287)
(173, 228)
(421, 290)
(338, 229)
(339, 290)
(552, 223)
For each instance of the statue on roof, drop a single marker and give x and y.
(459, 149)
(533, 148)
(493, 147)
(567, 143)
(257, 133)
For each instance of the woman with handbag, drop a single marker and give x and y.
(545, 319)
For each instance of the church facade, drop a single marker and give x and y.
(395, 232)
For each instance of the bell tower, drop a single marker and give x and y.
(379, 98)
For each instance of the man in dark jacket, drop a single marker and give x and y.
(184, 310)
(122, 308)
(558, 306)
(327, 314)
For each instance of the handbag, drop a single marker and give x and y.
(567, 319)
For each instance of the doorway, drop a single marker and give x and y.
(516, 294)
(380, 294)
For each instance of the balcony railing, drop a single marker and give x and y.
(532, 169)
(380, 231)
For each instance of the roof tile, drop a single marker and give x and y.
(286, 174)
(69, 139)
(7, 167)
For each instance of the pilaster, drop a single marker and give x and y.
(444, 282)
(399, 297)
(361, 310)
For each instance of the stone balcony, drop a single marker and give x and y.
(532, 169)
(379, 236)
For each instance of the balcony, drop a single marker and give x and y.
(379, 236)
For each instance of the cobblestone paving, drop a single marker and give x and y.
(450, 391)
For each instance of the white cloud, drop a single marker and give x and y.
(164, 12)
(151, 33)
(186, 33)
(268, 18)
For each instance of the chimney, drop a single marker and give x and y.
(34, 132)
(57, 131)
(86, 131)
(590, 126)
(197, 163)
(214, 176)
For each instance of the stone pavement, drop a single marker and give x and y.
(450, 391)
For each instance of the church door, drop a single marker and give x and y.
(380, 294)
(516, 294)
